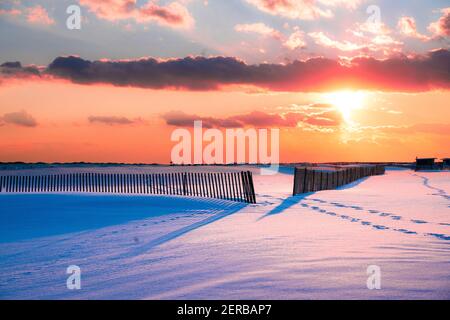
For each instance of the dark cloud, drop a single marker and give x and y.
(181, 119)
(20, 118)
(256, 119)
(15, 69)
(401, 73)
(112, 120)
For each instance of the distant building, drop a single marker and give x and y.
(425, 163)
(446, 163)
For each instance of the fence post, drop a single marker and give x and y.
(244, 186)
(252, 187)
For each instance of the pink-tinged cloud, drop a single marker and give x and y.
(441, 28)
(293, 9)
(39, 15)
(10, 12)
(303, 9)
(369, 37)
(21, 118)
(296, 40)
(407, 26)
(375, 43)
(349, 4)
(174, 14)
(258, 28)
(322, 39)
(400, 73)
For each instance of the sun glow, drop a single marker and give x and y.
(346, 102)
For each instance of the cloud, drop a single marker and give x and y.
(378, 42)
(174, 14)
(295, 40)
(407, 26)
(15, 71)
(322, 39)
(415, 73)
(349, 4)
(10, 12)
(21, 118)
(292, 9)
(303, 9)
(113, 120)
(259, 28)
(181, 119)
(39, 15)
(441, 28)
(321, 117)
(370, 37)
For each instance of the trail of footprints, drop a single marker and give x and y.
(426, 183)
(316, 207)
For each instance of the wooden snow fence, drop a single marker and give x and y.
(235, 186)
(311, 179)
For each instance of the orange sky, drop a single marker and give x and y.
(385, 127)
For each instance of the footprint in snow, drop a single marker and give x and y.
(439, 236)
(419, 221)
(405, 231)
(378, 227)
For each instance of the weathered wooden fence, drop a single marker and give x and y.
(235, 186)
(313, 179)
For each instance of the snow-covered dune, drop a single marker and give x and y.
(305, 247)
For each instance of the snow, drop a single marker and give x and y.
(313, 246)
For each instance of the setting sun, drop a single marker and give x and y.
(346, 102)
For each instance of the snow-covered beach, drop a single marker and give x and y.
(312, 246)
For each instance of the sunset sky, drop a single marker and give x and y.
(354, 80)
